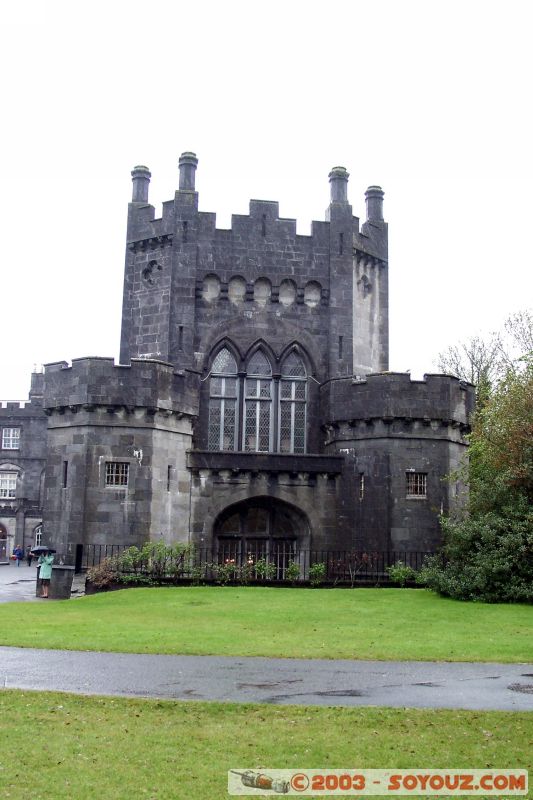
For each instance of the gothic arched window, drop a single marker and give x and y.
(292, 405)
(254, 410)
(223, 397)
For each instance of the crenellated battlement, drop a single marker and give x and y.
(400, 404)
(94, 382)
(263, 219)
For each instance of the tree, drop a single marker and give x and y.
(488, 552)
(478, 361)
(485, 361)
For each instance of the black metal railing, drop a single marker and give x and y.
(278, 561)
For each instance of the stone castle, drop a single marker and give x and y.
(252, 408)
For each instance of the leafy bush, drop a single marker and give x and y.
(401, 573)
(104, 574)
(292, 571)
(317, 574)
(156, 560)
(265, 570)
(486, 557)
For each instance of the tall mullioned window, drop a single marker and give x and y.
(254, 410)
(223, 402)
(292, 405)
(258, 405)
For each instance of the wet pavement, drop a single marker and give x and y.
(18, 583)
(274, 681)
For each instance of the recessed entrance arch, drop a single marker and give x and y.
(261, 528)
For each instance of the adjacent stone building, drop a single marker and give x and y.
(22, 463)
(252, 410)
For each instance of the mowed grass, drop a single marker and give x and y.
(383, 624)
(59, 746)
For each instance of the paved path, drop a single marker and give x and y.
(270, 680)
(18, 583)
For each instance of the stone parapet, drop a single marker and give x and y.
(95, 382)
(393, 399)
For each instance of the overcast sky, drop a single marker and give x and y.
(431, 100)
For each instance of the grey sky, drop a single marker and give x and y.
(428, 99)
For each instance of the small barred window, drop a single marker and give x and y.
(10, 438)
(416, 484)
(117, 473)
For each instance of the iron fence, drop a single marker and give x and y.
(281, 561)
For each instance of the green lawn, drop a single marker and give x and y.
(293, 623)
(59, 746)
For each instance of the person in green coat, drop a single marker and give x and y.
(45, 562)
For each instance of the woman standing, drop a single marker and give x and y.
(45, 562)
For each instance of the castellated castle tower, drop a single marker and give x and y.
(252, 411)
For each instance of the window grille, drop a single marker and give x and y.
(8, 485)
(117, 473)
(10, 438)
(416, 484)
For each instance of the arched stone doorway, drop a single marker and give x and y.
(261, 528)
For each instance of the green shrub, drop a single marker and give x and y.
(317, 574)
(104, 574)
(265, 570)
(401, 573)
(292, 571)
(225, 573)
(486, 557)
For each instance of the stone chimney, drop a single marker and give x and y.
(187, 163)
(374, 203)
(338, 179)
(141, 182)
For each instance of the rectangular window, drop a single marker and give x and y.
(416, 484)
(361, 486)
(8, 484)
(10, 438)
(65, 474)
(117, 473)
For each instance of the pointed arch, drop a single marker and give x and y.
(224, 344)
(260, 344)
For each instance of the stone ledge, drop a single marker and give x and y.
(264, 462)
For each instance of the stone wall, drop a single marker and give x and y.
(100, 414)
(21, 515)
